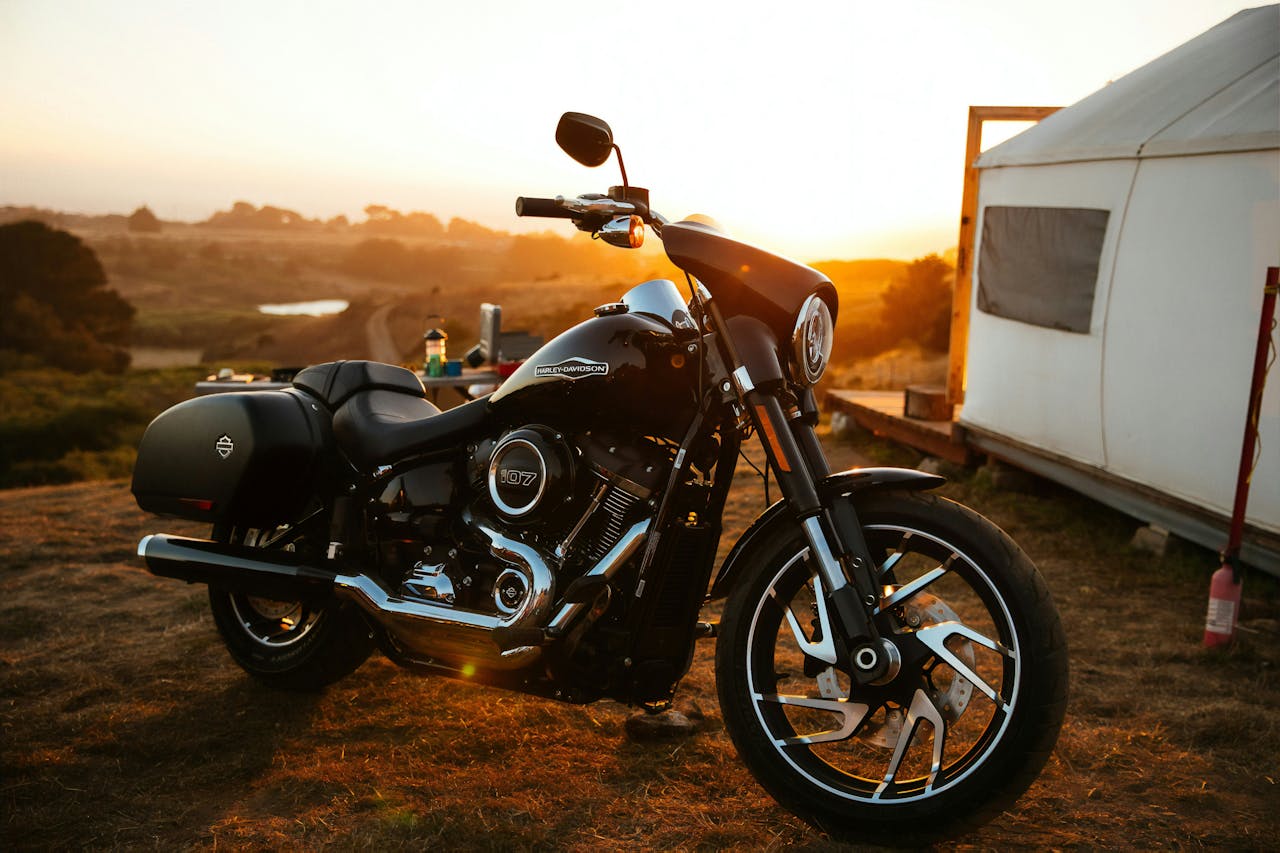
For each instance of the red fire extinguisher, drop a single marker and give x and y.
(1224, 607)
(1224, 588)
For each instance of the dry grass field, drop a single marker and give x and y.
(125, 724)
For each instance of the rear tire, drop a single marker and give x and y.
(983, 663)
(289, 645)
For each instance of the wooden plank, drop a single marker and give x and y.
(881, 412)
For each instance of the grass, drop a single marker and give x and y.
(58, 427)
(126, 725)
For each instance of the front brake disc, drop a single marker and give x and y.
(951, 697)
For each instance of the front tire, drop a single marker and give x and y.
(959, 730)
(289, 645)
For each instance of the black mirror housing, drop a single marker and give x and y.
(585, 138)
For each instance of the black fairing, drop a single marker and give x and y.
(624, 369)
(745, 279)
(252, 457)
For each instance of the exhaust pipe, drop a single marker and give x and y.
(445, 633)
(234, 568)
(424, 628)
(430, 630)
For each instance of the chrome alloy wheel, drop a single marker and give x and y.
(936, 721)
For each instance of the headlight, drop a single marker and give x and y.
(811, 341)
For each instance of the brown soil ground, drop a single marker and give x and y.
(125, 724)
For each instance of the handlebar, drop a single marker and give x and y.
(589, 211)
(546, 207)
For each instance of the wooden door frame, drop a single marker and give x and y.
(960, 295)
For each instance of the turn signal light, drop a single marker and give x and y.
(635, 232)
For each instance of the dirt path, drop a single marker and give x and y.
(126, 725)
(382, 344)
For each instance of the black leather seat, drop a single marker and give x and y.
(335, 381)
(377, 427)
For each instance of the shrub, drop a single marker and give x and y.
(54, 303)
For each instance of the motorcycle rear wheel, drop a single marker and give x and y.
(955, 736)
(289, 645)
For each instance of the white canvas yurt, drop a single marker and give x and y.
(1120, 255)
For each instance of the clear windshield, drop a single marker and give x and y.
(660, 298)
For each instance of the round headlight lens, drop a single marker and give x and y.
(811, 341)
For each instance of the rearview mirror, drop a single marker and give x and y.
(585, 138)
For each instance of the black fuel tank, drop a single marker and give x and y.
(623, 368)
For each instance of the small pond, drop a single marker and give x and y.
(314, 308)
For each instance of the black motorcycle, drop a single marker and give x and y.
(888, 662)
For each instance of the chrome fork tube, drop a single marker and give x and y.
(827, 564)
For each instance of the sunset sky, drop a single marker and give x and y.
(820, 129)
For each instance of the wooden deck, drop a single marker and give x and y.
(882, 412)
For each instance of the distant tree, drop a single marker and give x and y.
(421, 224)
(465, 229)
(381, 258)
(244, 215)
(54, 303)
(144, 221)
(917, 305)
(547, 254)
(277, 217)
(381, 219)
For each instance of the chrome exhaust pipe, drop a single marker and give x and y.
(234, 568)
(460, 636)
(425, 629)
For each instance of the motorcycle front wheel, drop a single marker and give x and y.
(959, 727)
(289, 645)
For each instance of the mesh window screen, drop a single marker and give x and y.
(1039, 265)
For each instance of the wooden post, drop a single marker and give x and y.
(960, 296)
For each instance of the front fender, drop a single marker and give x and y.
(854, 482)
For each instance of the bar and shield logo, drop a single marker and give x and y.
(224, 445)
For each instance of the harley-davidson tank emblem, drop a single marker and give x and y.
(224, 445)
(572, 368)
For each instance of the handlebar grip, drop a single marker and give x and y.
(545, 207)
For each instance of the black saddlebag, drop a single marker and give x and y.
(250, 458)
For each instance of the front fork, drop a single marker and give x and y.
(831, 526)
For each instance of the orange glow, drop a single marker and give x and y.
(359, 103)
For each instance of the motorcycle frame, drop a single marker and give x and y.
(654, 636)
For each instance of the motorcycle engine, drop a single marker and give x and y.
(529, 469)
(573, 496)
(569, 497)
